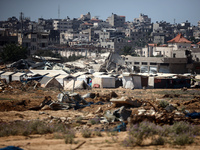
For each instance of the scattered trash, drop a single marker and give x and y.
(122, 113)
(193, 115)
(126, 101)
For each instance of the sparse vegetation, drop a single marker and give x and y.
(69, 138)
(32, 127)
(163, 103)
(86, 133)
(97, 133)
(95, 120)
(24, 128)
(180, 133)
(182, 139)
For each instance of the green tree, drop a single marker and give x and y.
(13, 52)
(127, 50)
(193, 40)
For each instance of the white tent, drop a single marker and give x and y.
(104, 81)
(7, 76)
(82, 78)
(64, 79)
(77, 85)
(131, 81)
(17, 76)
(47, 82)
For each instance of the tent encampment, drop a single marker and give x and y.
(131, 81)
(47, 82)
(104, 81)
(76, 85)
(63, 79)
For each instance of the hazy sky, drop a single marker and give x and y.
(157, 10)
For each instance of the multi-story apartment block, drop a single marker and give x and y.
(66, 25)
(6, 37)
(199, 24)
(111, 33)
(68, 37)
(113, 40)
(85, 17)
(171, 50)
(34, 40)
(138, 37)
(142, 19)
(116, 21)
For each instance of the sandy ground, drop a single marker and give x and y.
(11, 110)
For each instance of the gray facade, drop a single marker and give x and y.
(116, 21)
(157, 64)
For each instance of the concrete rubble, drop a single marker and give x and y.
(110, 109)
(122, 109)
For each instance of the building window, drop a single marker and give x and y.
(164, 64)
(144, 63)
(152, 63)
(136, 63)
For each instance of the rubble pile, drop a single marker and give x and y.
(14, 86)
(111, 109)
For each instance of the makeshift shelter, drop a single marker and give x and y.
(47, 82)
(131, 81)
(104, 81)
(32, 76)
(76, 85)
(49, 72)
(18, 76)
(1, 72)
(7, 76)
(64, 79)
(77, 74)
(86, 78)
(161, 82)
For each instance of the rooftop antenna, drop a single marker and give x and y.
(58, 11)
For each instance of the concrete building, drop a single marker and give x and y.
(179, 42)
(142, 19)
(101, 25)
(176, 48)
(7, 38)
(66, 24)
(199, 24)
(85, 17)
(116, 21)
(138, 37)
(34, 40)
(157, 64)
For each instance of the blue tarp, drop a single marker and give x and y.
(120, 127)
(193, 115)
(11, 148)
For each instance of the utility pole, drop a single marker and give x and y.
(21, 20)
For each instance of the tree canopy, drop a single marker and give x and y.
(13, 52)
(127, 50)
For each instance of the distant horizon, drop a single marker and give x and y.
(158, 10)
